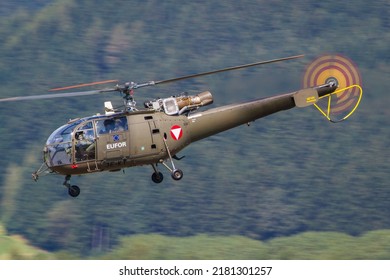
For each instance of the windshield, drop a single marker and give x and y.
(58, 150)
(62, 134)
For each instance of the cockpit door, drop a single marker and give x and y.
(84, 142)
(112, 138)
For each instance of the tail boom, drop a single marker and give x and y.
(213, 121)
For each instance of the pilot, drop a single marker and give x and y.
(85, 145)
(119, 125)
(80, 135)
(109, 126)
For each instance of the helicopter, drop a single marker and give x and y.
(155, 134)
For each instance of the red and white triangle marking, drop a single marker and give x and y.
(176, 132)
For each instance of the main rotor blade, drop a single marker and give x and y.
(84, 85)
(227, 69)
(56, 95)
(92, 92)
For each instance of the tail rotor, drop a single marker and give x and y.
(341, 71)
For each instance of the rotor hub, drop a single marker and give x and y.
(333, 81)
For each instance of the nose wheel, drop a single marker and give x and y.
(73, 191)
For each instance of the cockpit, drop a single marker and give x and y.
(77, 140)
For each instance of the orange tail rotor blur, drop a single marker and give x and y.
(339, 105)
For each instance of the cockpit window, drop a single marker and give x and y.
(87, 125)
(111, 125)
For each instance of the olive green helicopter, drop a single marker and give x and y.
(155, 134)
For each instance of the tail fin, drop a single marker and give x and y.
(341, 71)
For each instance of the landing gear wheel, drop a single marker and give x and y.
(157, 177)
(177, 174)
(74, 191)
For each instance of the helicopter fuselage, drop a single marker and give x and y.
(111, 142)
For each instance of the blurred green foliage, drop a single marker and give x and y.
(16, 247)
(284, 175)
(373, 245)
(305, 246)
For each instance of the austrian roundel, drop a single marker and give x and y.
(176, 132)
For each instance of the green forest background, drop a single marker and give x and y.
(290, 186)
